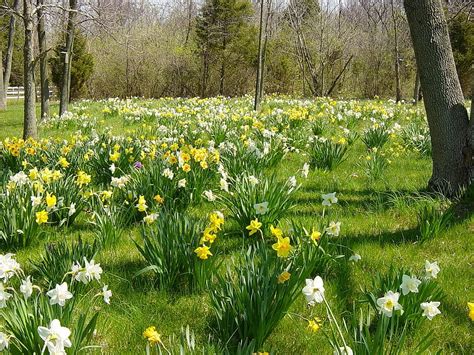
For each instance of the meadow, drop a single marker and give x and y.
(304, 228)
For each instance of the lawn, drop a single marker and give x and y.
(380, 192)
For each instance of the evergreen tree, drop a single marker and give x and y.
(82, 66)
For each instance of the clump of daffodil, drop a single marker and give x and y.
(254, 226)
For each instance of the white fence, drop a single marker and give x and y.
(18, 92)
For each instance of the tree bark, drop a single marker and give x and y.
(443, 98)
(398, 94)
(258, 82)
(66, 82)
(3, 93)
(9, 53)
(44, 81)
(29, 123)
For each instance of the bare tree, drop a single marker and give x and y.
(43, 58)
(443, 98)
(29, 119)
(2, 87)
(258, 85)
(9, 53)
(68, 53)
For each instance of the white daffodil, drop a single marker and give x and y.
(56, 337)
(343, 350)
(431, 269)
(93, 270)
(168, 173)
(26, 287)
(209, 195)
(224, 185)
(182, 183)
(59, 294)
(292, 181)
(409, 284)
(4, 296)
(8, 266)
(112, 168)
(305, 170)
(430, 309)
(253, 180)
(389, 303)
(355, 258)
(334, 228)
(106, 293)
(261, 208)
(36, 200)
(4, 341)
(329, 199)
(72, 209)
(314, 290)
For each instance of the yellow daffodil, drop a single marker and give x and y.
(470, 305)
(314, 324)
(315, 236)
(50, 201)
(41, 217)
(141, 205)
(276, 232)
(282, 247)
(254, 226)
(203, 252)
(283, 277)
(152, 336)
(159, 199)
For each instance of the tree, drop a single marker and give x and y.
(29, 116)
(219, 25)
(67, 55)
(2, 87)
(9, 53)
(82, 66)
(443, 98)
(44, 82)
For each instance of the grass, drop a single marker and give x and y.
(379, 222)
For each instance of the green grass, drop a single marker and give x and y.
(377, 227)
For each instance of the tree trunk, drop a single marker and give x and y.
(258, 82)
(3, 93)
(44, 81)
(9, 53)
(443, 97)
(398, 94)
(66, 82)
(29, 124)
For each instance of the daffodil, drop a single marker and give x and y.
(470, 306)
(283, 277)
(141, 205)
(41, 217)
(152, 336)
(282, 247)
(254, 226)
(203, 252)
(314, 324)
(276, 232)
(389, 303)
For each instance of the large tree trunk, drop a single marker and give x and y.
(2, 87)
(29, 124)
(9, 53)
(44, 81)
(68, 52)
(443, 97)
